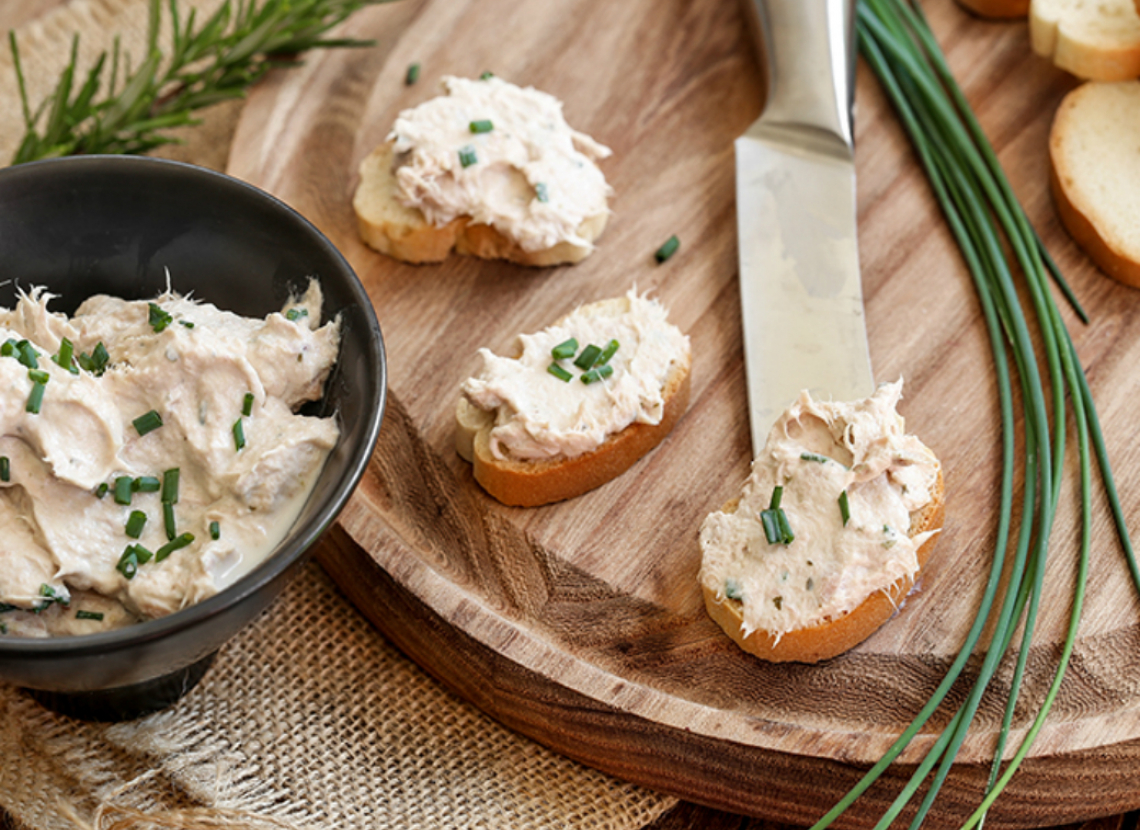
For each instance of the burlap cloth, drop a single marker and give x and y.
(308, 718)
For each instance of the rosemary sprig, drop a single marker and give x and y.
(216, 61)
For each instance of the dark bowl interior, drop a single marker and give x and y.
(117, 225)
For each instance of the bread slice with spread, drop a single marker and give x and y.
(829, 533)
(580, 402)
(488, 169)
(1095, 174)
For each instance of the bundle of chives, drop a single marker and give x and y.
(981, 210)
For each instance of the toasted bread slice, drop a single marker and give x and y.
(531, 482)
(1095, 174)
(404, 233)
(830, 637)
(1094, 41)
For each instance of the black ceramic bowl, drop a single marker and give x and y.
(115, 224)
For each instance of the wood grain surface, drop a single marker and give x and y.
(581, 624)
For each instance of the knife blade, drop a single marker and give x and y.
(800, 292)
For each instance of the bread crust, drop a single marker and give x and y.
(404, 233)
(835, 636)
(1074, 207)
(534, 483)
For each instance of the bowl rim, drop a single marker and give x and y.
(293, 547)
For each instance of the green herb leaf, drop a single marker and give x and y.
(173, 545)
(541, 193)
(412, 75)
(5, 468)
(467, 156)
(559, 372)
(168, 520)
(170, 479)
(35, 398)
(844, 508)
(484, 126)
(247, 404)
(124, 486)
(565, 349)
(158, 318)
(89, 615)
(146, 484)
(588, 357)
(239, 434)
(135, 524)
(215, 531)
(597, 373)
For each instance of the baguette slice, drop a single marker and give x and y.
(1094, 155)
(530, 483)
(998, 9)
(1095, 41)
(403, 232)
(833, 636)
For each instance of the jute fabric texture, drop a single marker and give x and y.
(309, 718)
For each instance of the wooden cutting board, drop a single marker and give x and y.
(581, 624)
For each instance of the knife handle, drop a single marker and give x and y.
(809, 50)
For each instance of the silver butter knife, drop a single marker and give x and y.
(800, 293)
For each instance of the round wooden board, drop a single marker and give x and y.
(581, 624)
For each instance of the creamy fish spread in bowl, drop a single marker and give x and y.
(194, 384)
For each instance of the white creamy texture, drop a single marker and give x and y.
(530, 154)
(539, 416)
(815, 451)
(196, 378)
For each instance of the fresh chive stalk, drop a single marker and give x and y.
(597, 373)
(35, 398)
(168, 522)
(412, 75)
(124, 486)
(173, 545)
(136, 523)
(146, 484)
(215, 531)
(483, 126)
(844, 508)
(588, 357)
(247, 404)
(239, 435)
(467, 156)
(158, 318)
(89, 615)
(987, 222)
(565, 349)
(559, 372)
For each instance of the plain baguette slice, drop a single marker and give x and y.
(1094, 155)
(530, 483)
(830, 637)
(404, 233)
(1096, 41)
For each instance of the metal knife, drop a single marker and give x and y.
(800, 292)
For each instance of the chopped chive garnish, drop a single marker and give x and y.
(609, 351)
(186, 324)
(668, 249)
(467, 156)
(136, 523)
(36, 398)
(170, 480)
(52, 595)
(128, 563)
(142, 555)
(215, 530)
(38, 376)
(588, 357)
(732, 589)
(147, 422)
(565, 349)
(9, 348)
(65, 355)
(5, 468)
(89, 615)
(123, 487)
(146, 484)
(247, 404)
(28, 355)
(484, 126)
(486, 75)
(412, 75)
(785, 528)
(777, 497)
(5, 608)
(541, 193)
(239, 434)
(3, 628)
(597, 373)
(101, 490)
(814, 456)
(844, 508)
(97, 361)
(559, 372)
(771, 527)
(168, 520)
(295, 314)
(173, 545)
(158, 318)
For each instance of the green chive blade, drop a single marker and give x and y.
(667, 249)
